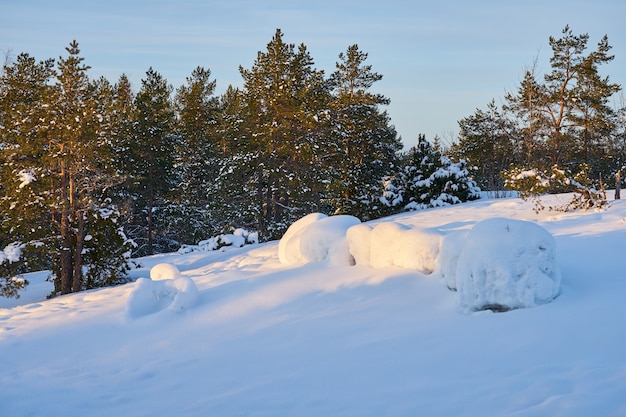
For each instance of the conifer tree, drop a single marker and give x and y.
(487, 141)
(284, 119)
(24, 217)
(367, 143)
(432, 179)
(61, 161)
(149, 161)
(575, 97)
(197, 154)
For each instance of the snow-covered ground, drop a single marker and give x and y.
(240, 333)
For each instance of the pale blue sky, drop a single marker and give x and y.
(440, 59)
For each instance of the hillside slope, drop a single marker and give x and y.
(266, 339)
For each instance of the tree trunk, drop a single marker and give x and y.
(78, 255)
(618, 185)
(65, 261)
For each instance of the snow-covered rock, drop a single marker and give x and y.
(506, 264)
(317, 238)
(391, 243)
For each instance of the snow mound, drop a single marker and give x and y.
(316, 238)
(392, 243)
(506, 264)
(167, 290)
(451, 246)
(164, 271)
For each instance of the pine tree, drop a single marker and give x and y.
(366, 142)
(59, 158)
(150, 160)
(575, 97)
(197, 153)
(487, 141)
(24, 216)
(432, 179)
(284, 104)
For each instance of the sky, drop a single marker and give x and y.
(440, 60)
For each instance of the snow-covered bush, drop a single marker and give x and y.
(167, 290)
(532, 183)
(316, 238)
(391, 243)
(505, 264)
(10, 281)
(237, 239)
(451, 246)
(106, 249)
(433, 180)
(163, 271)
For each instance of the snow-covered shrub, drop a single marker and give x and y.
(106, 249)
(391, 243)
(451, 246)
(506, 264)
(10, 281)
(237, 239)
(433, 180)
(532, 183)
(163, 271)
(316, 238)
(167, 290)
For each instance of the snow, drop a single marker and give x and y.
(166, 290)
(259, 337)
(317, 238)
(11, 252)
(507, 264)
(164, 270)
(26, 176)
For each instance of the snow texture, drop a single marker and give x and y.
(317, 238)
(506, 264)
(451, 246)
(25, 177)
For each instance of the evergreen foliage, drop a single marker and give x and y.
(284, 109)
(366, 144)
(563, 120)
(56, 158)
(533, 183)
(150, 160)
(432, 179)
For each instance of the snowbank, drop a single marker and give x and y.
(392, 243)
(504, 264)
(316, 238)
(167, 290)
